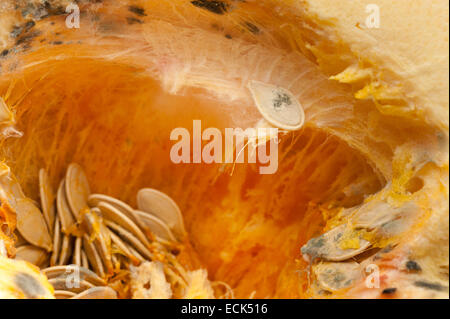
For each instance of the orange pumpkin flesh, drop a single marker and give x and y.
(126, 148)
(106, 98)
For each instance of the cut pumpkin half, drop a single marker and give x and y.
(358, 204)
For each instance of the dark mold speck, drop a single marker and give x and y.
(214, 6)
(28, 37)
(252, 28)
(413, 266)
(429, 285)
(57, 42)
(137, 10)
(131, 20)
(29, 285)
(29, 25)
(389, 291)
(16, 31)
(228, 36)
(4, 53)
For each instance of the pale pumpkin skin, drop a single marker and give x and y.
(367, 97)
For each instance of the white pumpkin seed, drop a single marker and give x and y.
(32, 254)
(277, 105)
(47, 199)
(66, 250)
(84, 260)
(327, 246)
(102, 241)
(65, 284)
(135, 254)
(162, 206)
(56, 242)
(95, 199)
(114, 215)
(66, 218)
(3, 251)
(77, 189)
(93, 256)
(20, 240)
(64, 271)
(31, 224)
(130, 238)
(119, 244)
(156, 226)
(338, 275)
(97, 293)
(64, 294)
(77, 251)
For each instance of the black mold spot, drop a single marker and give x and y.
(280, 99)
(59, 10)
(137, 10)
(389, 291)
(57, 42)
(132, 20)
(252, 28)
(16, 31)
(27, 37)
(429, 285)
(214, 6)
(4, 53)
(413, 266)
(29, 285)
(386, 249)
(228, 36)
(29, 25)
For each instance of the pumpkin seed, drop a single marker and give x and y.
(337, 275)
(135, 254)
(327, 246)
(64, 294)
(277, 105)
(56, 242)
(77, 189)
(31, 224)
(97, 293)
(3, 251)
(32, 254)
(162, 206)
(157, 226)
(84, 260)
(96, 199)
(114, 215)
(65, 215)
(120, 244)
(113, 234)
(47, 199)
(66, 250)
(20, 240)
(62, 284)
(93, 256)
(130, 238)
(102, 241)
(63, 271)
(77, 251)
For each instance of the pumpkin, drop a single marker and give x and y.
(358, 207)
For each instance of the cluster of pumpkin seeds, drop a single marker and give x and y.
(96, 237)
